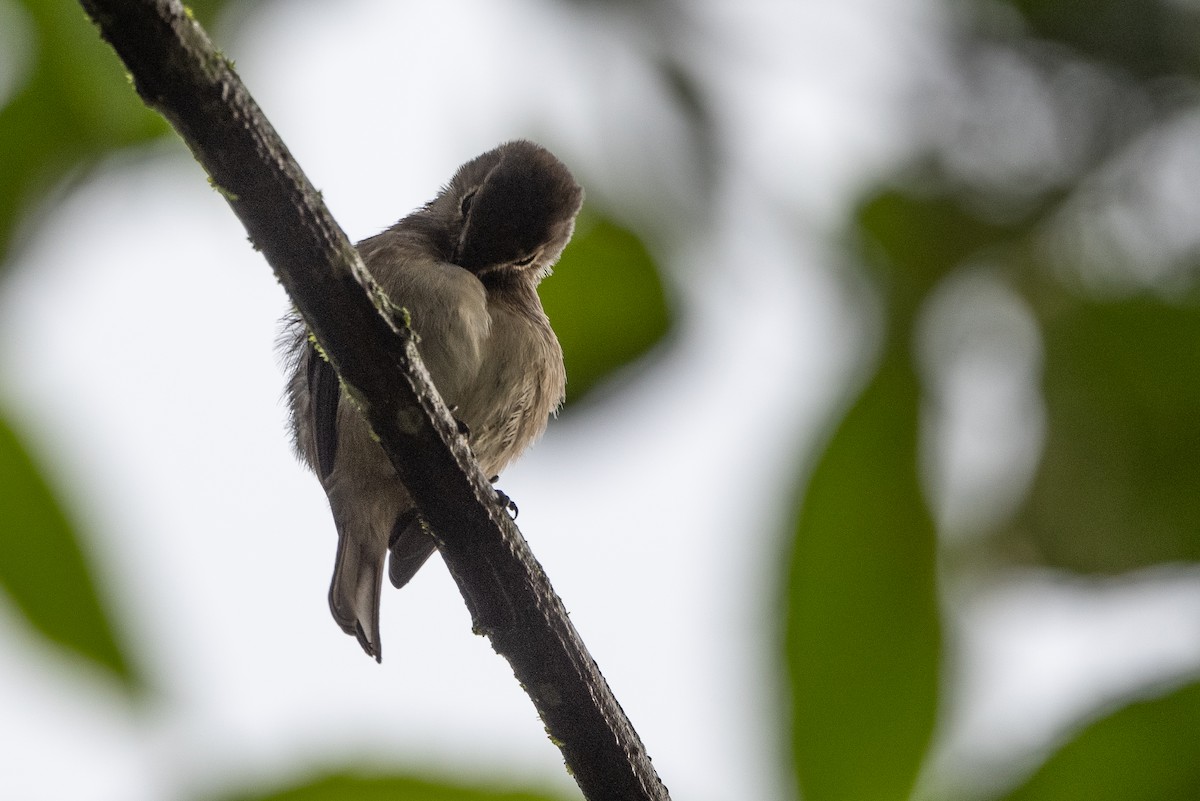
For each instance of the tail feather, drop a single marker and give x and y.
(354, 593)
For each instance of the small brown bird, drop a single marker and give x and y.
(466, 267)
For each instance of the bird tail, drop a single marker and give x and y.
(354, 593)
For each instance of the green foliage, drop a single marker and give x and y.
(1150, 38)
(1147, 751)
(44, 569)
(606, 301)
(900, 226)
(73, 107)
(1118, 484)
(1115, 488)
(863, 633)
(347, 787)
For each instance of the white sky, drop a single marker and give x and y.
(141, 327)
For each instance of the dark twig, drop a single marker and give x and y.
(177, 71)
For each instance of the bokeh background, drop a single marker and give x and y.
(879, 477)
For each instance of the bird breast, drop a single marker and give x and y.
(520, 382)
(489, 349)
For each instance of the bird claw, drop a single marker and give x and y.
(508, 503)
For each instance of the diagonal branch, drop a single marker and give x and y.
(177, 71)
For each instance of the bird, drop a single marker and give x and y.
(466, 267)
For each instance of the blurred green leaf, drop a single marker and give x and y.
(1148, 751)
(863, 632)
(388, 788)
(1149, 38)
(43, 568)
(1119, 483)
(923, 239)
(75, 106)
(606, 301)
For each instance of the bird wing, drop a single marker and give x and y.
(324, 393)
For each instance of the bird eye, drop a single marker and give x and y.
(525, 262)
(465, 207)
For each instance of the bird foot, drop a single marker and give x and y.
(503, 499)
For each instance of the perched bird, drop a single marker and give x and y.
(466, 267)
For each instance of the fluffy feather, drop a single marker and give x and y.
(466, 267)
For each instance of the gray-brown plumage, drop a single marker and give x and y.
(466, 267)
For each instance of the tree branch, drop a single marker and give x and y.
(177, 71)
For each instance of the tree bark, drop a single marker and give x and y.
(177, 71)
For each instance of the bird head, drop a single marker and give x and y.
(514, 209)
